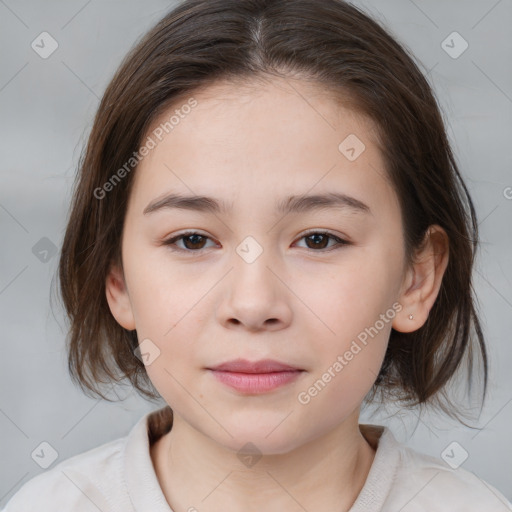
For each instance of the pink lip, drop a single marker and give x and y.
(255, 377)
(262, 366)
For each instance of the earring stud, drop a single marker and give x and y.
(411, 317)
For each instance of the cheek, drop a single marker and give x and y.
(166, 304)
(354, 315)
(343, 379)
(347, 364)
(162, 294)
(351, 295)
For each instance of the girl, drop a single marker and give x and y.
(269, 231)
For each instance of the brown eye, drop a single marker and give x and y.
(192, 241)
(195, 241)
(318, 240)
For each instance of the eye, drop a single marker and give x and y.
(194, 241)
(318, 239)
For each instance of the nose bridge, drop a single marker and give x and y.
(255, 235)
(251, 260)
(256, 240)
(254, 295)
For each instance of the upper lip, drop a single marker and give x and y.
(261, 366)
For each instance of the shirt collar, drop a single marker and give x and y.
(146, 494)
(140, 477)
(382, 473)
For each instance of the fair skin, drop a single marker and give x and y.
(301, 301)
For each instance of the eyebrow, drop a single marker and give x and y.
(291, 204)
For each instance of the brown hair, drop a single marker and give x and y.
(327, 42)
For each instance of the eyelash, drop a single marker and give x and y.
(171, 241)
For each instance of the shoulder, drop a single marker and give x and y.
(90, 480)
(423, 482)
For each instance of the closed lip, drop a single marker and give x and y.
(261, 366)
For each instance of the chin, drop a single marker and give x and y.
(270, 435)
(258, 444)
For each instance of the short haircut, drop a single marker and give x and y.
(326, 42)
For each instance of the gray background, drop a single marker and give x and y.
(47, 107)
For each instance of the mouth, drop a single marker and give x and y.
(255, 377)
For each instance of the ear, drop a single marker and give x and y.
(422, 282)
(118, 298)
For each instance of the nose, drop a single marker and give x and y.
(255, 296)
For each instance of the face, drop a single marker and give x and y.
(311, 287)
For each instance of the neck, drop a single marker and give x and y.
(324, 474)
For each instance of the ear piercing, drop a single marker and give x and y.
(411, 317)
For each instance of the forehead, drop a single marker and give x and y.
(260, 138)
(288, 98)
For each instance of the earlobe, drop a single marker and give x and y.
(118, 298)
(423, 281)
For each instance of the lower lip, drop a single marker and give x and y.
(256, 382)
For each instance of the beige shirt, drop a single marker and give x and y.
(119, 476)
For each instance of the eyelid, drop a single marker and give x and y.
(170, 241)
(341, 241)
